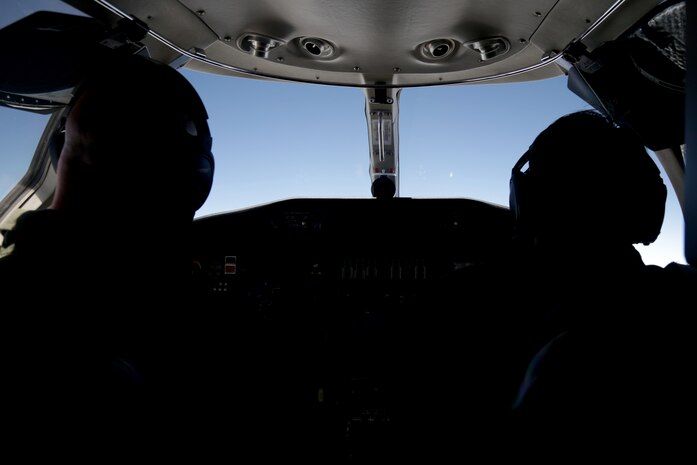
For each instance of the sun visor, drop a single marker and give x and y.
(44, 56)
(639, 79)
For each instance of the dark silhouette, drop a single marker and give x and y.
(608, 378)
(98, 343)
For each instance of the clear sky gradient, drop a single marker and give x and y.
(277, 140)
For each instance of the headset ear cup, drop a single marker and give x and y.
(519, 196)
(55, 145)
(651, 212)
(203, 178)
(516, 195)
(521, 205)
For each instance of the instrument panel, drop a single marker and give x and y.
(328, 317)
(385, 249)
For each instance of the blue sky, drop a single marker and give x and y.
(274, 140)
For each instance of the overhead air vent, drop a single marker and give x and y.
(437, 49)
(490, 47)
(258, 45)
(316, 48)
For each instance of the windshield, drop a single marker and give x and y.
(274, 140)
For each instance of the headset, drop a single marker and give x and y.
(203, 168)
(519, 191)
(644, 214)
(198, 147)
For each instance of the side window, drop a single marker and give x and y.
(669, 246)
(20, 132)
